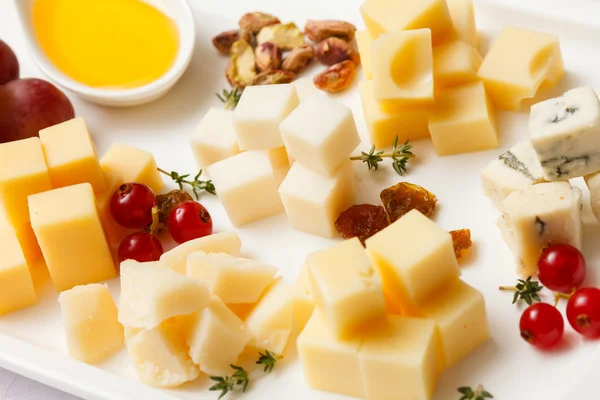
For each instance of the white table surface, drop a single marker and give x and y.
(16, 387)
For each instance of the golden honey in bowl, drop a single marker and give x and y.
(116, 44)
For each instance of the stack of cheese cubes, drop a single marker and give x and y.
(248, 154)
(425, 76)
(387, 321)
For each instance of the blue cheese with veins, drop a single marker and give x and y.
(565, 133)
(512, 170)
(537, 216)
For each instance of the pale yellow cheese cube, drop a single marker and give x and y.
(134, 165)
(304, 303)
(463, 120)
(321, 134)
(415, 259)
(160, 356)
(409, 123)
(518, 64)
(305, 89)
(455, 63)
(71, 156)
(247, 187)
(346, 288)
(280, 163)
(328, 363)
(313, 202)
(233, 279)
(16, 286)
(131, 332)
(214, 138)
(463, 21)
(364, 41)
(216, 337)
(23, 172)
(222, 242)
(260, 111)
(382, 16)
(115, 233)
(460, 316)
(403, 69)
(69, 231)
(152, 293)
(271, 321)
(399, 360)
(242, 310)
(89, 316)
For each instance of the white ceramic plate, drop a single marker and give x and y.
(31, 340)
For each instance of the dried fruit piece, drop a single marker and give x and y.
(336, 78)
(404, 197)
(275, 77)
(299, 58)
(268, 57)
(285, 36)
(225, 40)
(254, 21)
(334, 50)
(166, 202)
(362, 221)
(241, 69)
(318, 31)
(461, 240)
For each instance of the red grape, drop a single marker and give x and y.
(189, 220)
(141, 247)
(583, 312)
(9, 65)
(561, 268)
(131, 205)
(542, 325)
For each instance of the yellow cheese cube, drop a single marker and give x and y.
(382, 16)
(463, 121)
(216, 337)
(346, 287)
(399, 360)
(234, 280)
(160, 356)
(459, 313)
(242, 310)
(455, 63)
(222, 242)
(280, 162)
(364, 41)
(304, 303)
(71, 156)
(519, 62)
(463, 21)
(134, 165)
(415, 258)
(409, 123)
(89, 316)
(328, 363)
(214, 139)
(16, 286)
(68, 228)
(152, 293)
(23, 172)
(27, 240)
(403, 69)
(115, 233)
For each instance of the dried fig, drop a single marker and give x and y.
(285, 36)
(299, 58)
(268, 57)
(254, 21)
(274, 77)
(317, 31)
(336, 78)
(334, 50)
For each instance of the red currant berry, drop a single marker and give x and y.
(189, 220)
(141, 247)
(131, 205)
(542, 325)
(561, 268)
(583, 312)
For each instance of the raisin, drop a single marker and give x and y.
(404, 197)
(461, 240)
(362, 221)
(166, 202)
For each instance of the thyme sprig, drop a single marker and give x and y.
(198, 186)
(227, 384)
(400, 156)
(526, 290)
(478, 394)
(231, 98)
(268, 359)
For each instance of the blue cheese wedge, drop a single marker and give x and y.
(512, 170)
(565, 133)
(537, 216)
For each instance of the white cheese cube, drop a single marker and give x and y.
(306, 89)
(234, 280)
(222, 242)
(215, 336)
(593, 183)
(537, 216)
(321, 134)
(346, 287)
(512, 170)
(260, 111)
(313, 202)
(214, 138)
(247, 187)
(152, 293)
(280, 163)
(304, 303)
(89, 316)
(565, 133)
(160, 356)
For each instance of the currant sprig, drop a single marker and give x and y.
(478, 394)
(227, 384)
(268, 360)
(400, 156)
(198, 186)
(231, 98)
(526, 290)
